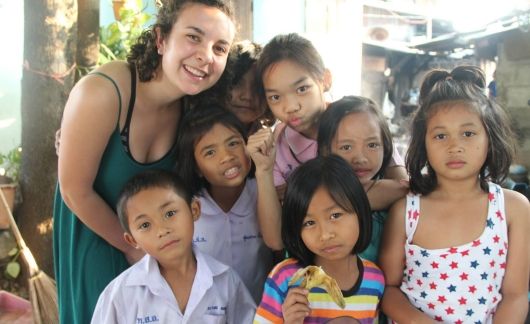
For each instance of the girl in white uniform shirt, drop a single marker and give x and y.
(214, 165)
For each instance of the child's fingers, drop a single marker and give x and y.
(261, 141)
(296, 295)
(295, 315)
(296, 306)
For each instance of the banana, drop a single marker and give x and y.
(316, 277)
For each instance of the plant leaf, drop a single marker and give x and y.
(13, 269)
(12, 252)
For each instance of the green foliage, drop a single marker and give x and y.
(12, 269)
(11, 162)
(116, 39)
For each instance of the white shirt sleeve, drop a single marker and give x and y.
(106, 310)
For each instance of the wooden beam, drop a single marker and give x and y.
(243, 11)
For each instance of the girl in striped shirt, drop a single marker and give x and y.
(326, 221)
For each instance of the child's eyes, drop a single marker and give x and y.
(335, 215)
(308, 223)
(468, 133)
(234, 143)
(170, 213)
(209, 153)
(302, 89)
(144, 226)
(345, 147)
(440, 136)
(273, 98)
(374, 145)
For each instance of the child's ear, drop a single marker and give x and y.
(327, 80)
(195, 208)
(130, 239)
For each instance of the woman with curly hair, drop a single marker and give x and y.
(118, 121)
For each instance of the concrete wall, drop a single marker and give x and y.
(513, 87)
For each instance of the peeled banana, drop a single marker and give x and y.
(316, 277)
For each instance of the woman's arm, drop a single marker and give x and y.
(514, 304)
(90, 117)
(392, 261)
(262, 151)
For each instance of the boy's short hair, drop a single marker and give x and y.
(147, 180)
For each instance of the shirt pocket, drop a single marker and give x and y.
(215, 318)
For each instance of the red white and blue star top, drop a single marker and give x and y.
(460, 284)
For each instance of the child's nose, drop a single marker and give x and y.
(455, 146)
(245, 95)
(357, 156)
(226, 156)
(326, 233)
(163, 231)
(292, 105)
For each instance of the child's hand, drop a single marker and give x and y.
(295, 308)
(261, 148)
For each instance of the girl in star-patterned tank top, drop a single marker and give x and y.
(456, 249)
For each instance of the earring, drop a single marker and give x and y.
(159, 51)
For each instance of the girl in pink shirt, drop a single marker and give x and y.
(292, 79)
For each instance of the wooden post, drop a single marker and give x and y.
(243, 10)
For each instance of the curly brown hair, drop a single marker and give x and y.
(144, 53)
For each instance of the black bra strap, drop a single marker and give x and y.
(117, 91)
(133, 99)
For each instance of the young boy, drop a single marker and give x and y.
(174, 282)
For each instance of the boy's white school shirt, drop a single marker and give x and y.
(234, 237)
(140, 295)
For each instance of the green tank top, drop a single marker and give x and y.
(84, 262)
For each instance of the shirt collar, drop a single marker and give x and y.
(244, 205)
(298, 142)
(147, 271)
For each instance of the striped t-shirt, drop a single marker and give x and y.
(362, 301)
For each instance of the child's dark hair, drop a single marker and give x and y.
(144, 53)
(243, 56)
(333, 115)
(195, 124)
(333, 173)
(464, 84)
(291, 47)
(148, 180)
